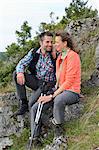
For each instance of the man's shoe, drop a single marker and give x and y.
(23, 109)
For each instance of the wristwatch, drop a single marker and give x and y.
(51, 95)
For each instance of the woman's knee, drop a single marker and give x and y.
(58, 110)
(58, 101)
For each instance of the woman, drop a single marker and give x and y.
(68, 74)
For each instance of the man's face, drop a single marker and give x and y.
(47, 43)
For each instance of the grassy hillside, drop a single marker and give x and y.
(83, 133)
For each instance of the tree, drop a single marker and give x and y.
(12, 50)
(52, 26)
(52, 17)
(77, 10)
(24, 34)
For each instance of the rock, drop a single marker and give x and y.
(9, 126)
(85, 33)
(73, 111)
(93, 81)
(5, 142)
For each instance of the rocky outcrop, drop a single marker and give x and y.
(85, 33)
(9, 126)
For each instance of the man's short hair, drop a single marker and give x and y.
(43, 34)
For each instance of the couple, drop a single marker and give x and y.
(48, 69)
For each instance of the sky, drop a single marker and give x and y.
(14, 12)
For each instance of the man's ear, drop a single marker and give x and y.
(40, 43)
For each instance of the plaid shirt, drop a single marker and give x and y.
(44, 67)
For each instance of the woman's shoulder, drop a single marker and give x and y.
(73, 53)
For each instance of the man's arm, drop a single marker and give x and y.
(24, 62)
(21, 67)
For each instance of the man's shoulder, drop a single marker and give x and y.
(35, 51)
(35, 54)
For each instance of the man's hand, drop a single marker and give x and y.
(20, 78)
(44, 99)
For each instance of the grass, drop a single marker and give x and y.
(20, 142)
(7, 89)
(84, 133)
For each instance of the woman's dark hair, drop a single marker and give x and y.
(43, 34)
(65, 36)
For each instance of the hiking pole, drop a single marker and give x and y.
(38, 114)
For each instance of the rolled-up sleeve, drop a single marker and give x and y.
(24, 62)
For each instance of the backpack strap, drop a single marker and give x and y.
(34, 61)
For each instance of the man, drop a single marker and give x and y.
(41, 64)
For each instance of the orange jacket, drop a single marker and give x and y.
(70, 76)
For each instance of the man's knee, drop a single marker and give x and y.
(34, 108)
(31, 103)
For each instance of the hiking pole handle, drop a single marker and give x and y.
(38, 114)
(39, 109)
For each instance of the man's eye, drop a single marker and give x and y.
(49, 42)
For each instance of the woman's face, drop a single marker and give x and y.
(59, 45)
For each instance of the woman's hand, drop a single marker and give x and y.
(45, 99)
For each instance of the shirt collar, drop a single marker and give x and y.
(39, 52)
